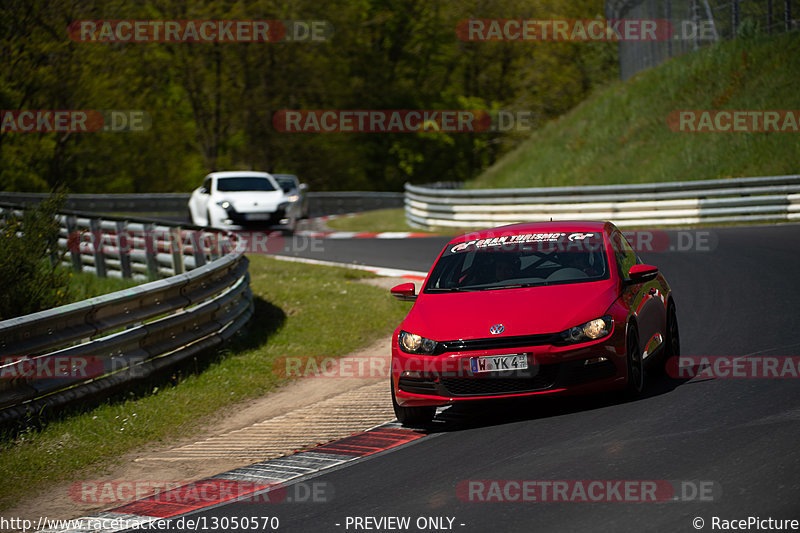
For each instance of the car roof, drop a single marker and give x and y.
(239, 174)
(561, 226)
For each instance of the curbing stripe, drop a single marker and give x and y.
(256, 480)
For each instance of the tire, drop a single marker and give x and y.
(673, 342)
(633, 353)
(412, 416)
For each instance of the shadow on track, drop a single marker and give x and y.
(504, 411)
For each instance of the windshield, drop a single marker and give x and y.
(246, 183)
(520, 261)
(286, 183)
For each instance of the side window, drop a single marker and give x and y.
(624, 253)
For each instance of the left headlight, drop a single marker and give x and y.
(293, 198)
(590, 331)
(416, 344)
(224, 204)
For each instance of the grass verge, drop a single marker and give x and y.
(620, 134)
(382, 220)
(83, 285)
(301, 310)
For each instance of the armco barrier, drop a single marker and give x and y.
(174, 206)
(119, 339)
(762, 199)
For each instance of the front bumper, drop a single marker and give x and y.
(447, 378)
(273, 218)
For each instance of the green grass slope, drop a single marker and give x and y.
(620, 134)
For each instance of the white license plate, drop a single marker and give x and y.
(258, 216)
(499, 363)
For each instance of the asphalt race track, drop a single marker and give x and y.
(737, 436)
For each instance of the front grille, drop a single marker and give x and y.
(497, 343)
(489, 385)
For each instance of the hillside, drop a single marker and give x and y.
(620, 133)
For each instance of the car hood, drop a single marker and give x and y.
(252, 201)
(525, 311)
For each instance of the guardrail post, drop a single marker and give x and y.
(150, 250)
(124, 246)
(97, 248)
(74, 247)
(216, 250)
(198, 250)
(175, 246)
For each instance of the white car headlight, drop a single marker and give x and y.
(293, 198)
(224, 204)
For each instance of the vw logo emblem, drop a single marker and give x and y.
(497, 329)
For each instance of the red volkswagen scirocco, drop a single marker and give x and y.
(530, 309)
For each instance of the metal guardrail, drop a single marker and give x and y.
(761, 199)
(339, 203)
(174, 206)
(97, 345)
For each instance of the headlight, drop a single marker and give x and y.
(411, 343)
(224, 204)
(590, 331)
(293, 198)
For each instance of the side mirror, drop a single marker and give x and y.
(203, 190)
(405, 292)
(642, 273)
(303, 187)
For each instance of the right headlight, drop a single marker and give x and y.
(416, 344)
(590, 331)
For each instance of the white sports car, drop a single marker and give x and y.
(233, 200)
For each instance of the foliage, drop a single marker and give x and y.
(30, 272)
(212, 104)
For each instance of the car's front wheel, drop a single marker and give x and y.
(635, 365)
(412, 416)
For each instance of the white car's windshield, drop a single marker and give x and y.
(245, 183)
